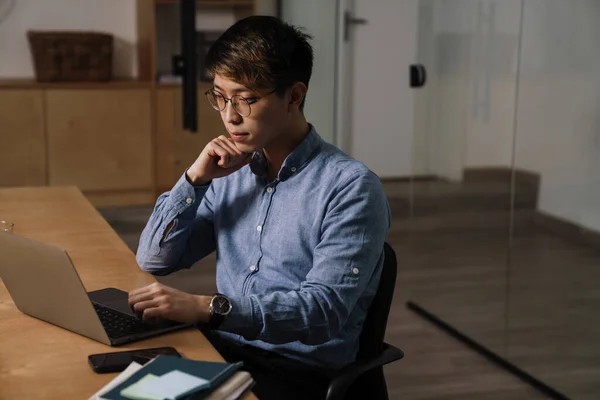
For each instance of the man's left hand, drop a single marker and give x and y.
(160, 301)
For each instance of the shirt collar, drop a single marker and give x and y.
(301, 155)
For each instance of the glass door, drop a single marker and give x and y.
(554, 286)
(460, 199)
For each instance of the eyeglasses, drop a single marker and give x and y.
(240, 104)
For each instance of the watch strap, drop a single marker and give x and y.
(215, 320)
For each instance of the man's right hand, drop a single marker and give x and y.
(219, 158)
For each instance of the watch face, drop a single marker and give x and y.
(221, 305)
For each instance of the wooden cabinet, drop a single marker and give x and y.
(101, 141)
(120, 146)
(177, 149)
(22, 138)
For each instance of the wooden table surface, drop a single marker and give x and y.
(39, 360)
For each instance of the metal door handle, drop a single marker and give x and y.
(350, 20)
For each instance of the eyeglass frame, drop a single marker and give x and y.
(229, 100)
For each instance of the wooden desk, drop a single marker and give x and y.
(42, 361)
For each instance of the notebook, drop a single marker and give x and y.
(206, 376)
(234, 388)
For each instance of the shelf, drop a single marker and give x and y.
(221, 3)
(32, 84)
(201, 85)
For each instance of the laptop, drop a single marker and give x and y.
(43, 283)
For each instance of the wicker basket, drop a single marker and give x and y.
(71, 56)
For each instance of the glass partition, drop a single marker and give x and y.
(553, 329)
(503, 239)
(460, 216)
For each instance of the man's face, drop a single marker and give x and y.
(268, 117)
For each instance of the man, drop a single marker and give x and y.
(298, 226)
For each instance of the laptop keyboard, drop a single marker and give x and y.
(118, 324)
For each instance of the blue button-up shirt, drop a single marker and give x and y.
(299, 258)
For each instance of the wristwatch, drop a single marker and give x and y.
(219, 308)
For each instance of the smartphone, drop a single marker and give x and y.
(117, 361)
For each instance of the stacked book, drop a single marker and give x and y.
(174, 378)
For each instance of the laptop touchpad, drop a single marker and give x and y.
(112, 298)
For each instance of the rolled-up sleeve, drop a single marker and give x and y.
(180, 230)
(346, 263)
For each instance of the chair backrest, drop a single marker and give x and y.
(373, 332)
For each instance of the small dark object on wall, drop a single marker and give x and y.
(418, 75)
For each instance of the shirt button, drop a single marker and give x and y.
(293, 169)
(259, 228)
(270, 189)
(355, 271)
(253, 268)
(188, 200)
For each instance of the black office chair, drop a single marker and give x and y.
(364, 379)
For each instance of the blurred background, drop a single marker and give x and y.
(492, 167)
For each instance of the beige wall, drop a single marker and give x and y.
(112, 16)
(117, 17)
